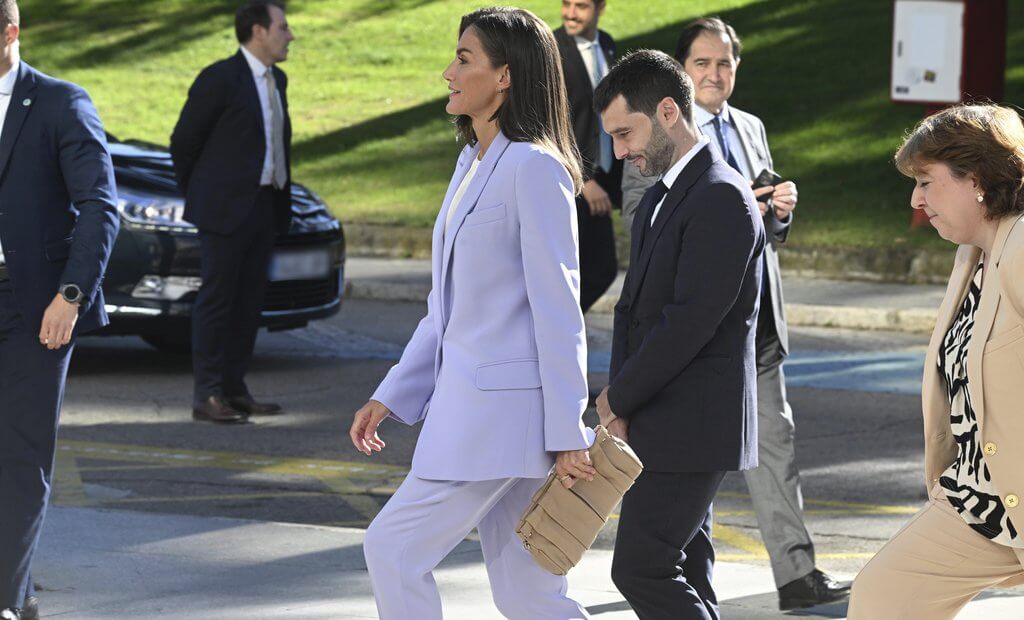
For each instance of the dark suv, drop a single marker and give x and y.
(153, 275)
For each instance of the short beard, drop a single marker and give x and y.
(658, 153)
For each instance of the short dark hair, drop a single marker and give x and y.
(712, 25)
(253, 13)
(985, 140)
(9, 13)
(644, 78)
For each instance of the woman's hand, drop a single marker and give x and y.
(573, 465)
(364, 427)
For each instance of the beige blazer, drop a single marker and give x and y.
(995, 367)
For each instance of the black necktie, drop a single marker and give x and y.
(645, 209)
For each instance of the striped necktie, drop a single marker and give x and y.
(280, 175)
(606, 157)
(723, 141)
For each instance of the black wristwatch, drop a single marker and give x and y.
(72, 293)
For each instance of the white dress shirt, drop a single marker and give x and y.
(460, 192)
(587, 51)
(259, 73)
(7, 82)
(677, 168)
(597, 68)
(704, 121)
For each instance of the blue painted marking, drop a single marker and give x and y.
(895, 373)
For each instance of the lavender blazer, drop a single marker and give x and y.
(497, 368)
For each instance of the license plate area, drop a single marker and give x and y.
(300, 265)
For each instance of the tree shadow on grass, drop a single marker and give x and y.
(799, 70)
(151, 27)
(371, 9)
(132, 28)
(382, 127)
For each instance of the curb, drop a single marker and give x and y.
(905, 265)
(912, 320)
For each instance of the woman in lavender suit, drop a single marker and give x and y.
(497, 369)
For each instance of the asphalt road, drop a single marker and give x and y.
(128, 441)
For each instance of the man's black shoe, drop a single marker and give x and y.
(215, 409)
(31, 610)
(814, 588)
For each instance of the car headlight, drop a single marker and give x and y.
(153, 211)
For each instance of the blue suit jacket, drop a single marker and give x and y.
(497, 368)
(683, 367)
(58, 201)
(218, 147)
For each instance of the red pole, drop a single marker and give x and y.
(984, 72)
(984, 62)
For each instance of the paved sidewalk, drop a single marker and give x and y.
(809, 302)
(96, 564)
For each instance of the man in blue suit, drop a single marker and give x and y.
(682, 384)
(58, 221)
(231, 150)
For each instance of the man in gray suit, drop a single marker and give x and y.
(709, 51)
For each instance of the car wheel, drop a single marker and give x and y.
(172, 342)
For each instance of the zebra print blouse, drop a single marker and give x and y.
(967, 482)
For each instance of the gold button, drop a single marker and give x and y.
(990, 448)
(1011, 501)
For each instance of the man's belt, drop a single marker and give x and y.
(3, 272)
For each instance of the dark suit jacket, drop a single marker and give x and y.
(58, 200)
(586, 123)
(754, 141)
(683, 364)
(218, 147)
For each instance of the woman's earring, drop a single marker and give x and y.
(501, 91)
(981, 197)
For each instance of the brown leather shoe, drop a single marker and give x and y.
(216, 409)
(247, 404)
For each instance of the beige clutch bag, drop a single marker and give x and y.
(562, 523)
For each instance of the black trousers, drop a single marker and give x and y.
(598, 263)
(226, 314)
(663, 554)
(31, 391)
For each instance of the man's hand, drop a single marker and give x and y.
(784, 199)
(597, 198)
(573, 465)
(364, 427)
(604, 409)
(58, 323)
(763, 191)
(619, 427)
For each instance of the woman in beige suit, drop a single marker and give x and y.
(968, 164)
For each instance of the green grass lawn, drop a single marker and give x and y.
(367, 98)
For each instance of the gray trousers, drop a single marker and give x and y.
(775, 483)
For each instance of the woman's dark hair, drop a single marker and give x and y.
(711, 25)
(536, 108)
(253, 13)
(985, 140)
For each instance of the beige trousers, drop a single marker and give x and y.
(932, 567)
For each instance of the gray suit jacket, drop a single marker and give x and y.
(755, 146)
